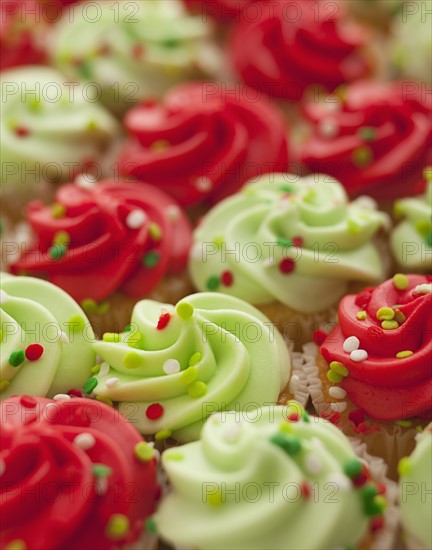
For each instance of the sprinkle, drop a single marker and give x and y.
(28, 401)
(74, 392)
(194, 359)
(4, 297)
(213, 282)
(101, 470)
(85, 441)
(89, 305)
(362, 156)
(150, 526)
(291, 444)
(404, 423)
(163, 434)
(95, 369)
(16, 358)
(403, 354)
(359, 355)
(104, 369)
(305, 490)
(284, 243)
(400, 281)
(286, 266)
(385, 314)
(342, 482)
(361, 315)
(111, 337)
(227, 278)
(404, 466)
(390, 325)
(184, 310)
(215, 499)
(57, 251)
(425, 288)
(138, 51)
(117, 527)
(90, 385)
(356, 416)
(399, 316)
(197, 389)
(173, 455)
(188, 376)
(339, 407)
(353, 467)
(58, 210)
(4, 384)
(77, 323)
(16, 544)
(111, 382)
(203, 184)
(368, 133)
(151, 259)
(154, 411)
(334, 377)
(144, 452)
(62, 397)
(163, 321)
(85, 181)
(34, 352)
(337, 393)
(339, 368)
(136, 219)
(132, 360)
(155, 232)
(171, 366)
(328, 127)
(351, 343)
(173, 212)
(313, 463)
(218, 241)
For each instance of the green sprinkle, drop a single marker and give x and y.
(84, 69)
(334, 377)
(305, 417)
(213, 282)
(218, 241)
(286, 427)
(35, 105)
(215, 499)
(368, 133)
(155, 232)
(404, 466)
(285, 243)
(151, 259)
(132, 360)
(184, 310)
(361, 315)
(368, 491)
(390, 325)
(144, 452)
(16, 358)
(150, 526)
(163, 434)
(58, 210)
(404, 423)
(385, 314)
(188, 376)
(90, 385)
(362, 156)
(291, 444)
(101, 470)
(173, 455)
(111, 337)
(287, 189)
(57, 251)
(339, 368)
(117, 527)
(400, 281)
(95, 369)
(76, 323)
(89, 305)
(62, 237)
(403, 354)
(353, 467)
(197, 389)
(127, 328)
(195, 359)
(423, 228)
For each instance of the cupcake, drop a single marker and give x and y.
(282, 480)
(174, 366)
(204, 141)
(226, 11)
(50, 131)
(411, 240)
(289, 47)
(46, 339)
(375, 138)
(415, 493)
(130, 51)
(411, 43)
(108, 245)
(371, 375)
(376, 12)
(291, 246)
(91, 476)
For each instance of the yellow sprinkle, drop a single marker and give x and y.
(89, 305)
(404, 423)
(404, 466)
(173, 455)
(218, 241)
(17, 544)
(155, 232)
(385, 314)
(188, 376)
(390, 325)
(197, 389)
(215, 499)
(381, 502)
(160, 145)
(58, 210)
(286, 427)
(105, 399)
(195, 359)
(184, 310)
(95, 369)
(339, 368)
(76, 323)
(334, 377)
(117, 527)
(400, 281)
(163, 434)
(144, 452)
(403, 354)
(4, 384)
(111, 337)
(361, 315)
(132, 360)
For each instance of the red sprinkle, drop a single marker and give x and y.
(28, 401)
(287, 266)
(137, 51)
(293, 417)
(361, 479)
(319, 336)
(382, 489)
(305, 489)
(227, 278)
(154, 411)
(33, 352)
(21, 131)
(164, 319)
(377, 523)
(357, 416)
(335, 417)
(297, 241)
(75, 393)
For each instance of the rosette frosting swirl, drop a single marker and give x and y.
(49, 129)
(204, 141)
(79, 461)
(291, 46)
(389, 371)
(178, 365)
(287, 239)
(46, 339)
(263, 483)
(375, 138)
(111, 236)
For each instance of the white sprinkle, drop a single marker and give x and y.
(2, 466)
(359, 355)
(111, 382)
(4, 297)
(50, 412)
(351, 344)
(317, 443)
(294, 383)
(173, 212)
(85, 441)
(203, 184)
(136, 219)
(104, 369)
(313, 463)
(232, 434)
(425, 288)
(61, 397)
(64, 337)
(342, 482)
(171, 366)
(366, 202)
(85, 181)
(339, 407)
(337, 393)
(328, 127)
(101, 485)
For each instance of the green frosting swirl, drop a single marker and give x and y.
(251, 235)
(411, 240)
(133, 50)
(48, 127)
(242, 486)
(226, 355)
(415, 491)
(37, 312)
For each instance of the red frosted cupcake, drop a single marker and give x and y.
(225, 11)
(75, 474)
(375, 138)
(295, 45)
(204, 141)
(109, 246)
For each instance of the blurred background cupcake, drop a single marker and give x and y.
(377, 13)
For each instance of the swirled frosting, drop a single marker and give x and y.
(204, 141)
(110, 236)
(415, 483)
(287, 239)
(375, 138)
(49, 129)
(75, 474)
(224, 11)
(46, 339)
(389, 369)
(131, 51)
(178, 365)
(264, 483)
(411, 240)
(290, 46)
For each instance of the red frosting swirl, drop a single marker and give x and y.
(226, 11)
(384, 386)
(298, 44)
(204, 141)
(60, 492)
(117, 236)
(376, 141)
